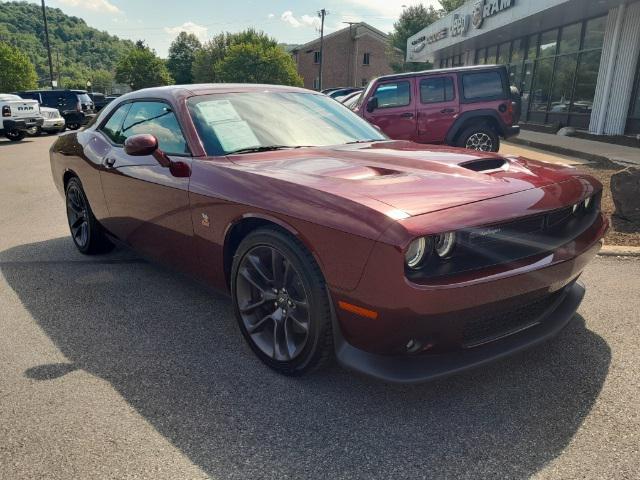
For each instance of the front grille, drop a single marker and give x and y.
(499, 244)
(491, 327)
(51, 114)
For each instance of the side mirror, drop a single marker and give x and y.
(141, 145)
(372, 104)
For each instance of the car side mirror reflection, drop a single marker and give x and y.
(372, 104)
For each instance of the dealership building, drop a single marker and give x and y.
(575, 62)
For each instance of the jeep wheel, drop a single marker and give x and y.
(73, 126)
(479, 137)
(15, 135)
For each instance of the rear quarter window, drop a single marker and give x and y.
(482, 85)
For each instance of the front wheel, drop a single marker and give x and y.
(86, 232)
(15, 135)
(73, 126)
(479, 137)
(281, 302)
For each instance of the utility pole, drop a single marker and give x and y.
(46, 36)
(322, 13)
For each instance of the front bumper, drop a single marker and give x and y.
(23, 124)
(425, 367)
(53, 125)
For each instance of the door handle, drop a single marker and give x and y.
(109, 162)
(406, 115)
(447, 110)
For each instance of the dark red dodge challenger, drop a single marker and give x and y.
(408, 261)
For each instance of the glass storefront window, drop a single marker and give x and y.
(594, 33)
(480, 56)
(503, 53)
(570, 38)
(517, 51)
(586, 78)
(541, 85)
(563, 74)
(491, 54)
(548, 43)
(532, 51)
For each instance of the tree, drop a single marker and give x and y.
(255, 63)
(213, 52)
(450, 5)
(102, 81)
(16, 70)
(181, 55)
(141, 68)
(412, 19)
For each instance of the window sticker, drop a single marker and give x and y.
(233, 133)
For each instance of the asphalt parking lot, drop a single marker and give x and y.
(112, 367)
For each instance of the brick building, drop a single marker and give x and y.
(352, 56)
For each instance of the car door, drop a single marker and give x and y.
(395, 113)
(148, 207)
(437, 107)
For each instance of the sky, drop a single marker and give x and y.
(289, 21)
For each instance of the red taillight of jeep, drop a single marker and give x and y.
(6, 111)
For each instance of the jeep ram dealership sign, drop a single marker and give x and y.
(471, 20)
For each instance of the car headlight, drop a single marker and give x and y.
(415, 252)
(587, 202)
(444, 244)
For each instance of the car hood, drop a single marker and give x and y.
(412, 179)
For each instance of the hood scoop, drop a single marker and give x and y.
(486, 165)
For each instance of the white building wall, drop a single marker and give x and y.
(613, 103)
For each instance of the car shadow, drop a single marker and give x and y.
(5, 143)
(172, 350)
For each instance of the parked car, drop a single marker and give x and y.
(469, 107)
(341, 92)
(53, 122)
(408, 261)
(18, 116)
(351, 99)
(341, 98)
(100, 100)
(76, 106)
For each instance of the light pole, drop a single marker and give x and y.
(46, 36)
(322, 13)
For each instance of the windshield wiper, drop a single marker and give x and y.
(266, 148)
(366, 141)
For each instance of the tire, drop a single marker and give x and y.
(73, 126)
(34, 132)
(285, 318)
(87, 234)
(479, 137)
(15, 135)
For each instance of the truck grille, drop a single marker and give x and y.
(51, 115)
(491, 327)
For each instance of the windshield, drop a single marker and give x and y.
(232, 122)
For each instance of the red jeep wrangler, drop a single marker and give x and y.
(468, 107)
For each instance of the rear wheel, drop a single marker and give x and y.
(15, 135)
(479, 137)
(281, 302)
(73, 126)
(86, 232)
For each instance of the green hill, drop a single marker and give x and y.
(77, 49)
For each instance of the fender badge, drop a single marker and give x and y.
(205, 220)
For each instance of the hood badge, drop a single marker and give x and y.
(205, 220)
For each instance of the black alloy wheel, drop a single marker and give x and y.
(15, 135)
(281, 302)
(86, 232)
(479, 137)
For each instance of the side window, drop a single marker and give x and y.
(158, 119)
(113, 127)
(435, 90)
(394, 94)
(482, 85)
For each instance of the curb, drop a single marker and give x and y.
(601, 160)
(619, 251)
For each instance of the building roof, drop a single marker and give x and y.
(373, 30)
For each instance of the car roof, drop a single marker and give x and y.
(184, 91)
(440, 70)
